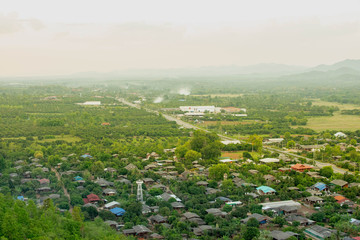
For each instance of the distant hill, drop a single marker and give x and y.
(348, 63)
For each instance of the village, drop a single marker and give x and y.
(264, 195)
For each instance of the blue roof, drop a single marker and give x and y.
(86, 156)
(20, 198)
(118, 211)
(78, 178)
(265, 189)
(321, 186)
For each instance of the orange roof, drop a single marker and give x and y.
(301, 166)
(339, 198)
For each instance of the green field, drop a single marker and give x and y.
(336, 122)
(318, 102)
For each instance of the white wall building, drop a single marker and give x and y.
(200, 109)
(91, 103)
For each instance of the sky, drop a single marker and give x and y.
(42, 37)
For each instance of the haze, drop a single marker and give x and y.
(43, 37)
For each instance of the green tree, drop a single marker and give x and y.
(190, 157)
(251, 233)
(217, 171)
(326, 171)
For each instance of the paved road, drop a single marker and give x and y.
(189, 125)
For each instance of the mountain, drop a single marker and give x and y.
(348, 63)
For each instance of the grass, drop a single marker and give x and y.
(341, 106)
(336, 122)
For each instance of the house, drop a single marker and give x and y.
(139, 230)
(105, 124)
(320, 187)
(273, 140)
(301, 167)
(284, 169)
(280, 235)
(166, 197)
(340, 183)
(340, 135)
(300, 219)
(78, 178)
(160, 186)
(112, 224)
(265, 190)
(193, 217)
(91, 198)
(86, 155)
(148, 181)
(224, 199)
(109, 192)
(117, 211)
(269, 160)
(269, 178)
(211, 191)
(44, 181)
(216, 212)
(311, 148)
(103, 183)
(157, 219)
(260, 218)
(282, 207)
(111, 205)
(234, 203)
(318, 232)
(43, 189)
(131, 167)
(156, 236)
(27, 174)
(202, 183)
(198, 231)
(177, 205)
(253, 171)
(314, 199)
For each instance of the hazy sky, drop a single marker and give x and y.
(42, 37)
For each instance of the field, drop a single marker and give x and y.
(336, 122)
(238, 154)
(209, 123)
(333, 104)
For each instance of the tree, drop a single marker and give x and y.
(253, 223)
(217, 172)
(326, 171)
(251, 232)
(211, 151)
(98, 168)
(38, 154)
(256, 141)
(190, 157)
(290, 144)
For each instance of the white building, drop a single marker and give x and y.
(227, 142)
(91, 103)
(340, 135)
(200, 109)
(269, 160)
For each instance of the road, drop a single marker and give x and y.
(66, 193)
(189, 125)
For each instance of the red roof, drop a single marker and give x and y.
(93, 197)
(356, 238)
(299, 166)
